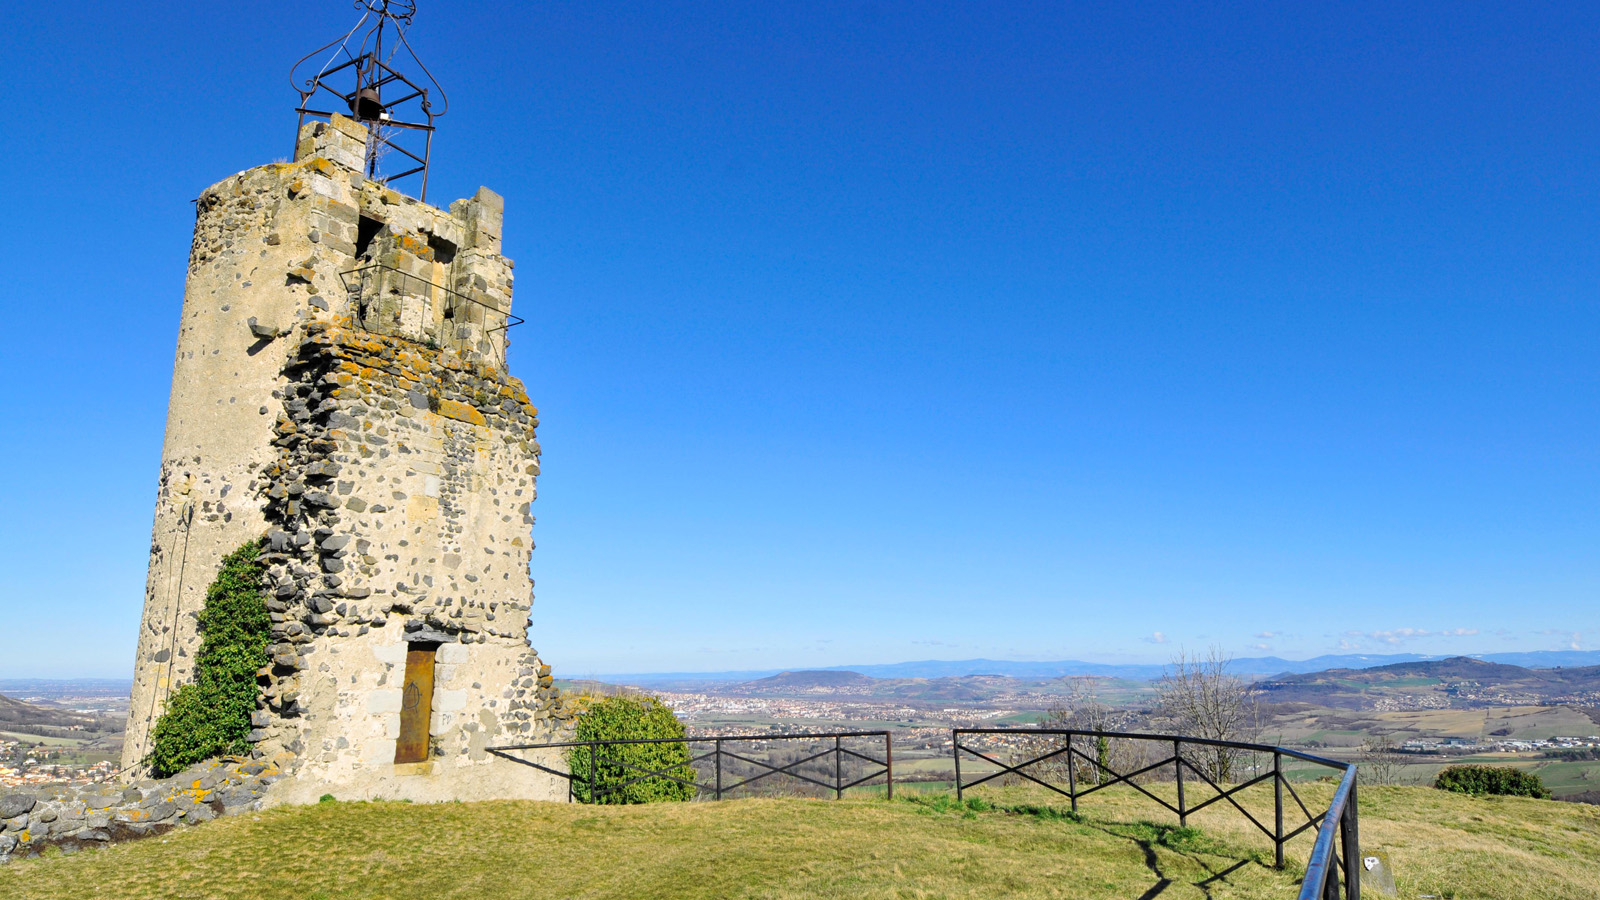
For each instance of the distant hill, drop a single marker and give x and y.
(824, 679)
(19, 717)
(1456, 681)
(1249, 666)
(846, 685)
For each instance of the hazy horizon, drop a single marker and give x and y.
(8, 675)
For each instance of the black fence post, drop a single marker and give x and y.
(1072, 775)
(1277, 807)
(593, 773)
(888, 764)
(717, 755)
(1177, 767)
(838, 770)
(955, 747)
(1352, 848)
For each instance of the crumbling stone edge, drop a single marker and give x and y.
(79, 817)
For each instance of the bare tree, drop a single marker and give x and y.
(1198, 697)
(1083, 709)
(1379, 762)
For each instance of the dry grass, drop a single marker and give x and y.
(1445, 845)
(1440, 844)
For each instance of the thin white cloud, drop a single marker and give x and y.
(1395, 636)
(1574, 639)
(1268, 635)
(1156, 638)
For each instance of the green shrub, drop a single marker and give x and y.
(629, 718)
(212, 715)
(1498, 780)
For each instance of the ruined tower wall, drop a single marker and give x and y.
(340, 389)
(225, 380)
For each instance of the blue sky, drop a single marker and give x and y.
(871, 332)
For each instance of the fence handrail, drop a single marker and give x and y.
(1340, 819)
(692, 739)
(1320, 864)
(1153, 736)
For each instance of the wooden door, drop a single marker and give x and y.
(416, 705)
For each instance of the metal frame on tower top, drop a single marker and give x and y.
(371, 76)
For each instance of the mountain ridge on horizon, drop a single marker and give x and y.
(1260, 665)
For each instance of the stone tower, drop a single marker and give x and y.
(340, 390)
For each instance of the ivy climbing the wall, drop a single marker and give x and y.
(212, 716)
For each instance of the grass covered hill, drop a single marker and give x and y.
(21, 717)
(969, 689)
(1460, 680)
(1444, 845)
(806, 682)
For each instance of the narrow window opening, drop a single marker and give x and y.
(444, 252)
(366, 230)
(416, 704)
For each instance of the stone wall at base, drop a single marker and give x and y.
(78, 817)
(81, 817)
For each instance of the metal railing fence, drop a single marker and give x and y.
(1332, 869)
(1332, 865)
(365, 286)
(718, 770)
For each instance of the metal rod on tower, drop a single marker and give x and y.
(369, 70)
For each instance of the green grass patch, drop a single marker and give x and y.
(1013, 843)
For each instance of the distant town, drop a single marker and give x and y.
(1467, 745)
(25, 763)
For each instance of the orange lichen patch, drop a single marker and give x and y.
(461, 412)
(322, 165)
(415, 245)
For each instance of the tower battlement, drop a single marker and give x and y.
(340, 389)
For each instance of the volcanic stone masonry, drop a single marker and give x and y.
(77, 817)
(340, 389)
